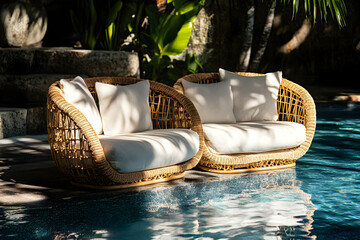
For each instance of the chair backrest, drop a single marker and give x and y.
(290, 103)
(164, 101)
(201, 78)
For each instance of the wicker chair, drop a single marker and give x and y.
(77, 151)
(294, 104)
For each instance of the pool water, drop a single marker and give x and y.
(318, 199)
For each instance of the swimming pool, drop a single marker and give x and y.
(320, 198)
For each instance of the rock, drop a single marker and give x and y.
(12, 122)
(36, 120)
(16, 60)
(22, 23)
(89, 62)
(21, 121)
(22, 90)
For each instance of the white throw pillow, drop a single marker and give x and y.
(77, 93)
(124, 109)
(213, 101)
(255, 97)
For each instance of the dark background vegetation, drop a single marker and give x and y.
(329, 55)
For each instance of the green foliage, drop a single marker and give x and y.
(167, 35)
(320, 8)
(169, 70)
(103, 25)
(112, 40)
(180, 68)
(136, 25)
(85, 23)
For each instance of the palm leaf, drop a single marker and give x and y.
(319, 8)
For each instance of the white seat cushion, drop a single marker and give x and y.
(150, 149)
(77, 93)
(213, 101)
(124, 109)
(252, 137)
(255, 97)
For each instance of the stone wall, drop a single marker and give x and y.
(27, 73)
(12, 122)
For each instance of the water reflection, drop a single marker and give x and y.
(269, 206)
(275, 205)
(255, 206)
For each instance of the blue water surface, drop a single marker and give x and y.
(330, 172)
(318, 199)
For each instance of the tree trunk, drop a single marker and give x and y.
(233, 34)
(245, 50)
(262, 30)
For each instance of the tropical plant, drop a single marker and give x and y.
(320, 8)
(139, 26)
(168, 35)
(114, 28)
(157, 36)
(85, 21)
(180, 68)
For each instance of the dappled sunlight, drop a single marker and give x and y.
(24, 139)
(124, 109)
(258, 96)
(128, 116)
(254, 97)
(15, 194)
(200, 99)
(213, 102)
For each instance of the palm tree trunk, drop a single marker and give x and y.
(263, 27)
(245, 50)
(298, 38)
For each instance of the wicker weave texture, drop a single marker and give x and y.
(294, 104)
(77, 151)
